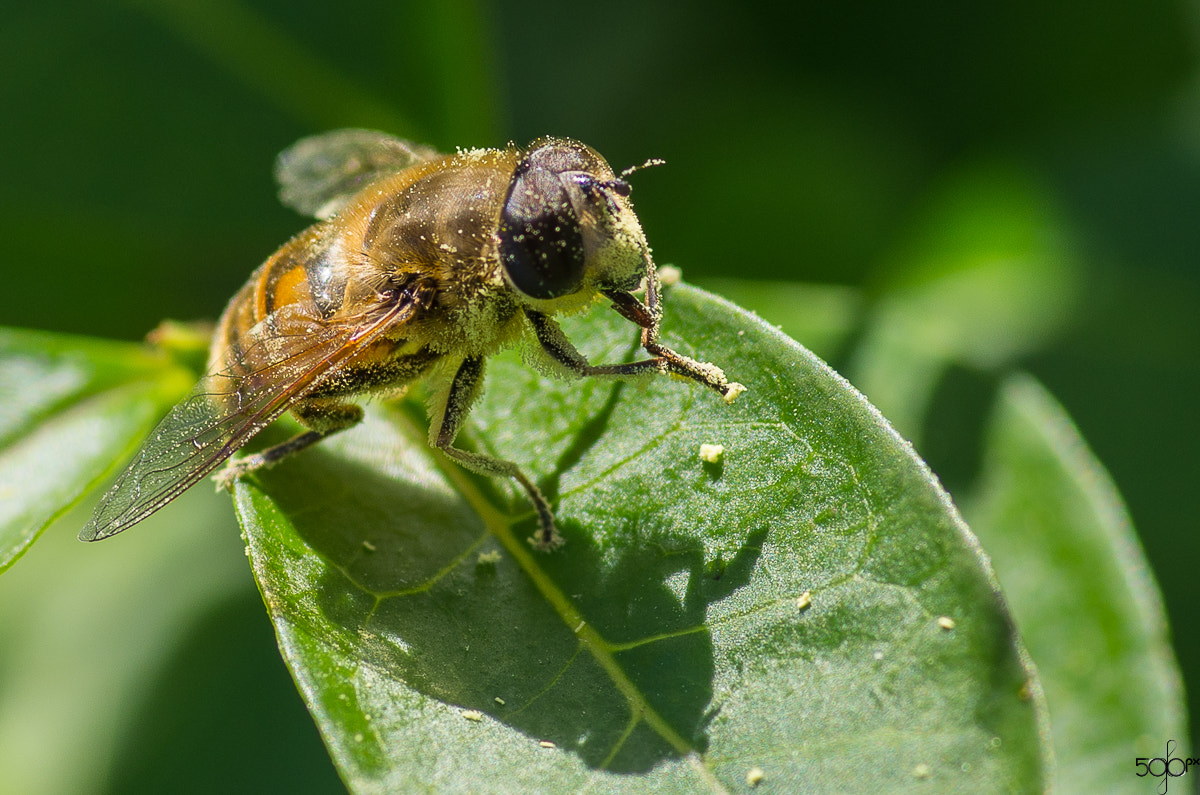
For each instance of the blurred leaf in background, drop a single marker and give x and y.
(1055, 527)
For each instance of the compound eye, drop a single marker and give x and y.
(541, 242)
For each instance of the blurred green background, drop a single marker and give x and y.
(870, 147)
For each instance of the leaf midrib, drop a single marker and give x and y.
(500, 524)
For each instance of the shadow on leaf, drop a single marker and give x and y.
(411, 585)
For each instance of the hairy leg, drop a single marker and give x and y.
(324, 416)
(326, 411)
(448, 416)
(555, 343)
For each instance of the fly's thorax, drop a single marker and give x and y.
(428, 230)
(432, 214)
(473, 322)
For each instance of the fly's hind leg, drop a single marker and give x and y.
(322, 417)
(447, 418)
(326, 410)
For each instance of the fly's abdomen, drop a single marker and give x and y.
(278, 308)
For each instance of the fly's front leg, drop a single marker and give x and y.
(322, 416)
(647, 316)
(447, 419)
(554, 342)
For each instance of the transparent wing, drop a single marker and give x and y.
(286, 357)
(319, 174)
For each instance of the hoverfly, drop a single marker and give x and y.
(422, 265)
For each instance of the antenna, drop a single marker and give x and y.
(654, 161)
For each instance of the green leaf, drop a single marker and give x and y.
(87, 630)
(1082, 593)
(663, 648)
(823, 315)
(73, 408)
